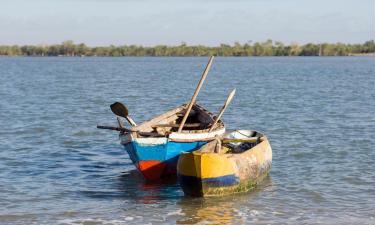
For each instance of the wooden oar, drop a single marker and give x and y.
(119, 109)
(120, 124)
(229, 99)
(125, 130)
(177, 125)
(194, 98)
(249, 140)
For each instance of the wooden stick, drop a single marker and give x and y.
(177, 125)
(113, 128)
(123, 129)
(251, 140)
(194, 98)
(119, 122)
(131, 121)
(229, 99)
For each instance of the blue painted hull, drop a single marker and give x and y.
(157, 160)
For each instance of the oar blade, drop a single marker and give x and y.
(119, 109)
(230, 97)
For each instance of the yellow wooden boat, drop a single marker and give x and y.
(236, 162)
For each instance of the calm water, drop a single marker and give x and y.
(57, 168)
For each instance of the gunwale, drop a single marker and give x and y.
(189, 135)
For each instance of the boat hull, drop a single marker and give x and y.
(210, 174)
(154, 146)
(156, 158)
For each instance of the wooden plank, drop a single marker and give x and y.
(251, 140)
(125, 130)
(177, 125)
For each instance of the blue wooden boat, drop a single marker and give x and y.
(155, 145)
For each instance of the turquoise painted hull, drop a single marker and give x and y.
(158, 160)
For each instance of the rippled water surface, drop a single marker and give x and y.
(57, 168)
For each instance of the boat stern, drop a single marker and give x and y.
(156, 157)
(201, 174)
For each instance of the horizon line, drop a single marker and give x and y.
(233, 43)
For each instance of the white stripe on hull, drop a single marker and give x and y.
(175, 136)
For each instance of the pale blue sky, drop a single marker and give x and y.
(208, 22)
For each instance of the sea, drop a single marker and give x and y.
(56, 167)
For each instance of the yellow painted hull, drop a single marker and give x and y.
(208, 173)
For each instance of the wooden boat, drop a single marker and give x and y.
(234, 164)
(155, 145)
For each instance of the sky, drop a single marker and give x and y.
(170, 22)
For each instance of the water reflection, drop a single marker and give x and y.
(213, 210)
(219, 210)
(132, 186)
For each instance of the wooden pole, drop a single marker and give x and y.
(119, 122)
(125, 130)
(194, 98)
(248, 140)
(131, 121)
(229, 99)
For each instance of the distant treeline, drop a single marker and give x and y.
(267, 48)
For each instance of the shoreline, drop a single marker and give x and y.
(266, 48)
(187, 56)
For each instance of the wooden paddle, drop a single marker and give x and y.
(125, 130)
(177, 125)
(229, 99)
(194, 98)
(119, 109)
(249, 140)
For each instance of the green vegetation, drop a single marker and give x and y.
(268, 48)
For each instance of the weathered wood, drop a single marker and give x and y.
(131, 121)
(237, 168)
(171, 117)
(177, 125)
(119, 122)
(229, 99)
(194, 98)
(125, 130)
(249, 140)
(166, 117)
(113, 128)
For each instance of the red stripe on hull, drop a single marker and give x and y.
(152, 169)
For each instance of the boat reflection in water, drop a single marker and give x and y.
(212, 211)
(145, 199)
(221, 209)
(132, 186)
